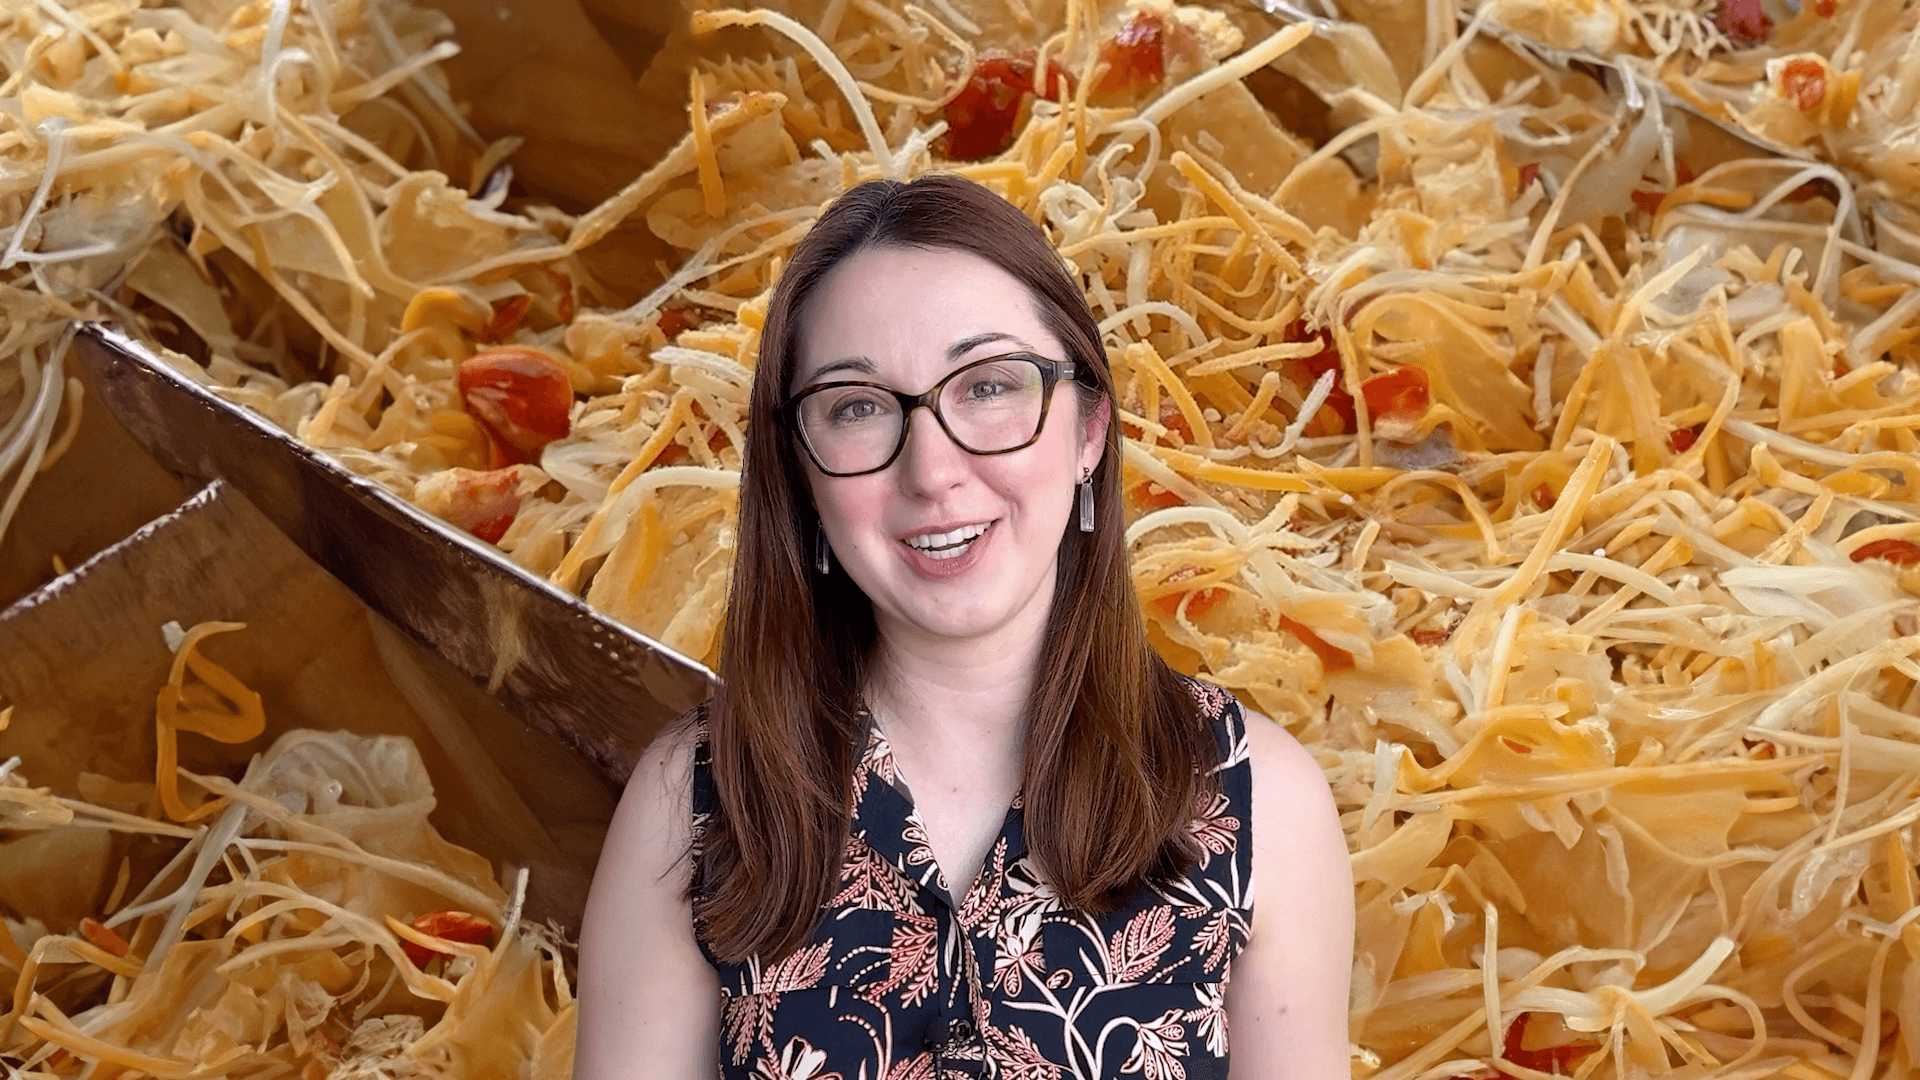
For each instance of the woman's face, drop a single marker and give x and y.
(905, 317)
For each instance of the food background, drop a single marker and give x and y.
(1528, 428)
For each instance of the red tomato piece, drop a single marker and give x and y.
(1805, 83)
(675, 453)
(1203, 601)
(1430, 637)
(676, 318)
(564, 286)
(1817, 188)
(1897, 552)
(485, 503)
(1682, 440)
(1332, 657)
(107, 940)
(508, 314)
(1648, 200)
(1175, 421)
(1825, 8)
(1308, 371)
(1134, 58)
(522, 398)
(1145, 497)
(1528, 174)
(981, 117)
(448, 926)
(1744, 23)
(1544, 496)
(1401, 394)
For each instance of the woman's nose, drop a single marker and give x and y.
(931, 462)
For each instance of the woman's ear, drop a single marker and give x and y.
(1093, 434)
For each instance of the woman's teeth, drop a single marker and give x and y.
(946, 545)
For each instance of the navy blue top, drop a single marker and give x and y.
(900, 983)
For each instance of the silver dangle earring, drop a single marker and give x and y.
(820, 550)
(1086, 501)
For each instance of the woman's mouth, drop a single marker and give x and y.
(950, 544)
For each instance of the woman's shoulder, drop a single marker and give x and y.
(1249, 738)
(662, 790)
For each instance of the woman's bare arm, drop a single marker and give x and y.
(649, 1002)
(1287, 1003)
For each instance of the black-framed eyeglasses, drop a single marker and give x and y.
(991, 406)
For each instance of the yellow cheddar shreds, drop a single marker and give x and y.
(1536, 442)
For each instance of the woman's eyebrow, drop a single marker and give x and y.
(852, 363)
(967, 344)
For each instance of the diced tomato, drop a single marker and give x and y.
(1683, 439)
(675, 453)
(1528, 174)
(1203, 601)
(1558, 1060)
(450, 926)
(1400, 394)
(1515, 745)
(1332, 657)
(107, 940)
(1308, 371)
(1743, 22)
(980, 118)
(1134, 58)
(563, 285)
(1544, 497)
(677, 318)
(1648, 199)
(1430, 637)
(1175, 421)
(1144, 496)
(508, 314)
(485, 503)
(1897, 552)
(1805, 83)
(1817, 188)
(1824, 8)
(522, 398)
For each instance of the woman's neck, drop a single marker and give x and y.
(960, 692)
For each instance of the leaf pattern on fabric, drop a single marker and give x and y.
(1017, 1055)
(1213, 940)
(799, 1060)
(1054, 993)
(913, 953)
(1017, 953)
(1210, 1017)
(1159, 1045)
(1135, 950)
(1213, 827)
(748, 1017)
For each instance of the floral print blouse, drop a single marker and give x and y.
(899, 983)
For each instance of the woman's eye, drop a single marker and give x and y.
(986, 389)
(854, 410)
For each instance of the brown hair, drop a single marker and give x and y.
(1115, 750)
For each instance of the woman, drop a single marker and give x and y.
(940, 598)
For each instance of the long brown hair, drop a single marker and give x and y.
(1115, 751)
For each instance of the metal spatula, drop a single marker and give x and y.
(598, 685)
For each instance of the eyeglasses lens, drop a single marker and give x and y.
(988, 407)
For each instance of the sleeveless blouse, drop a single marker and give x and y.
(898, 982)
